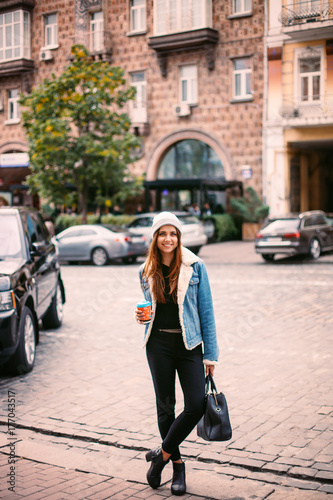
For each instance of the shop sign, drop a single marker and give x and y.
(8, 160)
(246, 172)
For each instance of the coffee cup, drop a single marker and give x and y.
(145, 306)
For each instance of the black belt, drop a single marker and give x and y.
(169, 330)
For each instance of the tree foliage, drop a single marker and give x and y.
(77, 133)
(249, 207)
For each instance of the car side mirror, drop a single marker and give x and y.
(37, 248)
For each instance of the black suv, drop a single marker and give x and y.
(309, 233)
(31, 288)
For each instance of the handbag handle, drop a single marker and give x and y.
(210, 382)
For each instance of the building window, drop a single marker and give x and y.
(138, 15)
(242, 6)
(189, 159)
(14, 35)
(172, 16)
(13, 106)
(242, 78)
(310, 79)
(139, 105)
(51, 31)
(188, 84)
(96, 30)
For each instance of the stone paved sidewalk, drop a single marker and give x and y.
(58, 472)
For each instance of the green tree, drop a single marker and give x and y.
(77, 133)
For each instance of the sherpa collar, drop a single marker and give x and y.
(188, 257)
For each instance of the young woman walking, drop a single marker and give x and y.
(176, 282)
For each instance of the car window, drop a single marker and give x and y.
(184, 219)
(43, 228)
(142, 222)
(87, 232)
(319, 220)
(10, 241)
(32, 230)
(282, 225)
(41, 231)
(311, 221)
(70, 234)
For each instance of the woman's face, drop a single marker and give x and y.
(167, 239)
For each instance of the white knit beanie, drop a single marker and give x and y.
(164, 219)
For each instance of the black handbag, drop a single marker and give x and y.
(215, 423)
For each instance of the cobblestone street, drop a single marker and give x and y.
(88, 406)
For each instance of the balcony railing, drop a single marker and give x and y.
(96, 42)
(306, 12)
(322, 108)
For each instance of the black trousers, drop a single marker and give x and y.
(167, 355)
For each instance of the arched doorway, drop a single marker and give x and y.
(184, 169)
(190, 158)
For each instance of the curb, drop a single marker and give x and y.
(264, 468)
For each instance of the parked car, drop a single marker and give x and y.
(99, 244)
(193, 235)
(31, 288)
(307, 233)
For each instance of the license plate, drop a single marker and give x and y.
(273, 240)
(136, 239)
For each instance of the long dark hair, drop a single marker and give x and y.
(153, 269)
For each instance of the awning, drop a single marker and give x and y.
(12, 160)
(217, 184)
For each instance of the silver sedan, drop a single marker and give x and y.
(193, 231)
(99, 244)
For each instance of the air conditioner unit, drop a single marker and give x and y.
(182, 110)
(45, 55)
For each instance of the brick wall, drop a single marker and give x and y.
(235, 126)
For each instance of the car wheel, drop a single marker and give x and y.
(268, 257)
(314, 249)
(129, 260)
(24, 357)
(54, 314)
(99, 257)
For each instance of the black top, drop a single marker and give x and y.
(167, 315)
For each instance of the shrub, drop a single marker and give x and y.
(249, 207)
(117, 220)
(64, 221)
(225, 228)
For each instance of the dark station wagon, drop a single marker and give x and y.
(308, 233)
(31, 288)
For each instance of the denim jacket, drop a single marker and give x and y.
(196, 314)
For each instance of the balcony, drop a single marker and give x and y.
(204, 38)
(305, 12)
(16, 67)
(98, 43)
(16, 4)
(301, 113)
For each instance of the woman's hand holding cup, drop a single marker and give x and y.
(143, 312)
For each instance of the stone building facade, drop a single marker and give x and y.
(198, 67)
(298, 119)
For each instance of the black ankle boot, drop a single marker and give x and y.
(178, 486)
(157, 465)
